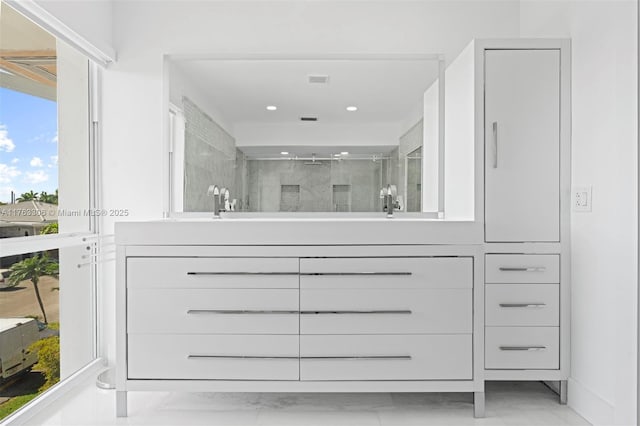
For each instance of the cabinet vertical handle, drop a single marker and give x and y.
(494, 127)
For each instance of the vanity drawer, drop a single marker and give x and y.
(213, 357)
(387, 272)
(522, 305)
(214, 311)
(522, 348)
(522, 268)
(386, 357)
(212, 272)
(385, 311)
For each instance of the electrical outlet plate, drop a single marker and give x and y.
(581, 199)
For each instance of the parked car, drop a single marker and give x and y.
(16, 335)
(4, 278)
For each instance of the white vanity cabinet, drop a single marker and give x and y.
(524, 133)
(386, 319)
(522, 312)
(522, 145)
(195, 319)
(212, 318)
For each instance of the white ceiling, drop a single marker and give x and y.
(383, 90)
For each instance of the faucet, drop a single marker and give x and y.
(214, 192)
(221, 202)
(390, 203)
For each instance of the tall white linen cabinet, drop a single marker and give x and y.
(377, 305)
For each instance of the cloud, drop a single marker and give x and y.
(5, 192)
(7, 173)
(54, 160)
(15, 161)
(36, 177)
(6, 144)
(55, 138)
(36, 162)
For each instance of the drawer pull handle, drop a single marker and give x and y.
(523, 305)
(383, 312)
(237, 312)
(240, 357)
(241, 273)
(338, 274)
(360, 357)
(523, 348)
(523, 269)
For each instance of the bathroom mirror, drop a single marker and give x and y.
(309, 135)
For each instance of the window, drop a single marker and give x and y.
(47, 221)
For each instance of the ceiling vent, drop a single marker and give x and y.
(319, 79)
(308, 118)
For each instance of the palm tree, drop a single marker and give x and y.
(48, 198)
(28, 196)
(32, 269)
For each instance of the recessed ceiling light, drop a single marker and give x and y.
(284, 153)
(344, 153)
(272, 108)
(352, 108)
(336, 155)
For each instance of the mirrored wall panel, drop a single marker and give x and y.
(290, 136)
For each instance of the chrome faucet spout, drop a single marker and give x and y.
(388, 194)
(214, 192)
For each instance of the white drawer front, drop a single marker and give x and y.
(386, 357)
(522, 305)
(387, 272)
(214, 272)
(522, 348)
(212, 311)
(385, 311)
(523, 268)
(174, 356)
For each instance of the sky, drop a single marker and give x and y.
(28, 144)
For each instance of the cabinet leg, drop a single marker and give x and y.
(563, 392)
(478, 405)
(121, 403)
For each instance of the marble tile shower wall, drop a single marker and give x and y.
(265, 179)
(210, 158)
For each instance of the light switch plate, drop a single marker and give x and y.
(581, 199)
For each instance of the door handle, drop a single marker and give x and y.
(522, 305)
(494, 127)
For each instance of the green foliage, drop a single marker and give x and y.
(48, 359)
(28, 196)
(14, 404)
(48, 198)
(32, 269)
(54, 326)
(51, 228)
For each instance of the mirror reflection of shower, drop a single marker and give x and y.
(341, 181)
(299, 135)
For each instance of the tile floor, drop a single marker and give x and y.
(507, 403)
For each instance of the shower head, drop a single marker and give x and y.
(313, 161)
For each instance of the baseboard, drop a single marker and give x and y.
(592, 407)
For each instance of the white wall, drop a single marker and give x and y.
(459, 130)
(604, 241)
(93, 20)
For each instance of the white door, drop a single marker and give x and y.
(522, 145)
